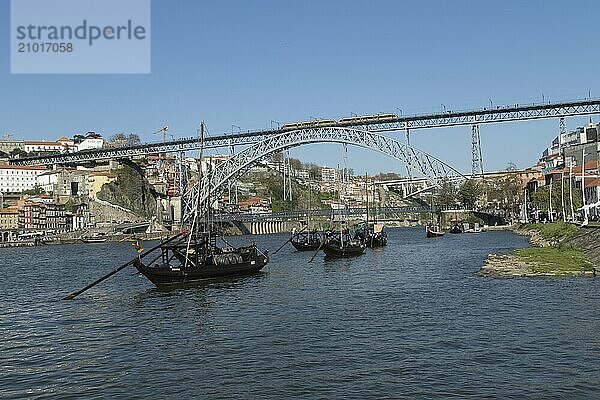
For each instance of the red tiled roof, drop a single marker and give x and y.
(22, 167)
(592, 182)
(43, 143)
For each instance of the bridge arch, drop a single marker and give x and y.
(417, 160)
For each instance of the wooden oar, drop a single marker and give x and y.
(319, 249)
(77, 293)
(289, 240)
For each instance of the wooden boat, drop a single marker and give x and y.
(180, 263)
(433, 231)
(93, 239)
(341, 245)
(456, 229)
(372, 235)
(196, 257)
(307, 241)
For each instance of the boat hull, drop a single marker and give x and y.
(93, 240)
(304, 246)
(376, 241)
(164, 276)
(433, 234)
(334, 251)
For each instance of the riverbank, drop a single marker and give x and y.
(558, 250)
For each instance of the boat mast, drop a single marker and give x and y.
(367, 194)
(195, 221)
(340, 210)
(309, 205)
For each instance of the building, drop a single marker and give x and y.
(255, 205)
(90, 143)
(328, 174)
(8, 146)
(96, 180)
(64, 182)
(17, 179)
(9, 218)
(302, 174)
(43, 147)
(69, 144)
(43, 216)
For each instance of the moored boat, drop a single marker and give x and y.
(307, 241)
(341, 245)
(433, 231)
(202, 259)
(93, 239)
(372, 235)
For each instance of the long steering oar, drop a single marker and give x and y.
(77, 293)
(290, 239)
(319, 249)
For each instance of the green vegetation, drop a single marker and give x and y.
(270, 185)
(555, 231)
(560, 197)
(559, 260)
(37, 190)
(130, 190)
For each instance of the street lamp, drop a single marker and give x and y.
(550, 216)
(399, 110)
(571, 192)
(585, 213)
(562, 194)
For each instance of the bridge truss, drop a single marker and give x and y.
(401, 123)
(215, 183)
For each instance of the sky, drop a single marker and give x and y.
(247, 63)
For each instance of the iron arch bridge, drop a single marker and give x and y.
(215, 183)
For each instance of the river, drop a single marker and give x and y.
(407, 321)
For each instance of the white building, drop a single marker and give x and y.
(43, 146)
(328, 174)
(68, 144)
(302, 174)
(90, 143)
(16, 179)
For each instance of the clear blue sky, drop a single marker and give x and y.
(247, 63)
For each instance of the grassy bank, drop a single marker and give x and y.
(557, 260)
(548, 257)
(556, 231)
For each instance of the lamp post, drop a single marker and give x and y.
(562, 194)
(585, 214)
(571, 192)
(550, 216)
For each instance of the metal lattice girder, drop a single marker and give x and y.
(476, 158)
(498, 114)
(287, 215)
(215, 183)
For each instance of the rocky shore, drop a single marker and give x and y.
(560, 250)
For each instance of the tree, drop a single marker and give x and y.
(118, 137)
(16, 153)
(540, 199)
(447, 193)
(37, 190)
(133, 139)
(468, 193)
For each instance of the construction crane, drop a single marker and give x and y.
(164, 130)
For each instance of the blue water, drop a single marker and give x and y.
(407, 321)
